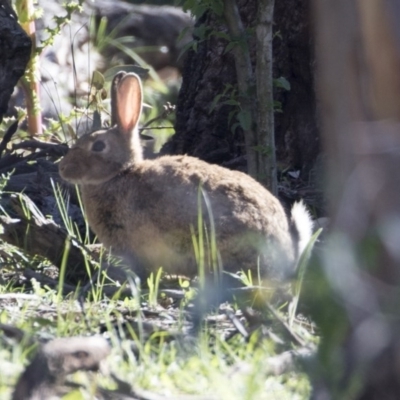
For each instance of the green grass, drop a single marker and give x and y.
(165, 359)
(165, 363)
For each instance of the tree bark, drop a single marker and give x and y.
(296, 127)
(245, 81)
(264, 71)
(15, 50)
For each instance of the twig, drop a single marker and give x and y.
(168, 109)
(155, 127)
(238, 325)
(56, 150)
(38, 144)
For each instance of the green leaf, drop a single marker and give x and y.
(234, 126)
(230, 116)
(222, 35)
(265, 150)
(230, 46)
(215, 102)
(74, 395)
(201, 32)
(231, 102)
(244, 118)
(186, 47)
(182, 34)
(277, 106)
(71, 131)
(282, 83)
(98, 80)
(218, 7)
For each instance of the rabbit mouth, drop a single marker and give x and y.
(83, 180)
(71, 179)
(70, 175)
(89, 178)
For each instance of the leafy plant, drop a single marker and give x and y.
(27, 14)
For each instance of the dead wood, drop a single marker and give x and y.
(40, 236)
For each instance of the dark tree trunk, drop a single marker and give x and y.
(296, 130)
(206, 134)
(15, 49)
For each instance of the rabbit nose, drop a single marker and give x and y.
(61, 167)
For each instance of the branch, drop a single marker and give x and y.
(40, 236)
(168, 109)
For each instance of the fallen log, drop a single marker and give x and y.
(28, 229)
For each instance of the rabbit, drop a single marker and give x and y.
(144, 210)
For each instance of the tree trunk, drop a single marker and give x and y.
(296, 127)
(207, 134)
(15, 50)
(265, 95)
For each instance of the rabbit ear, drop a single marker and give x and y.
(114, 105)
(128, 102)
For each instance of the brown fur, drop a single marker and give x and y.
(144, 208)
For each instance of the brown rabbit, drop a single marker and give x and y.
(144, 209)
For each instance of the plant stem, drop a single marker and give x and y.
(266, 160)
(30, 81)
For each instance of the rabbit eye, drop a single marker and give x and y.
(98, 145)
